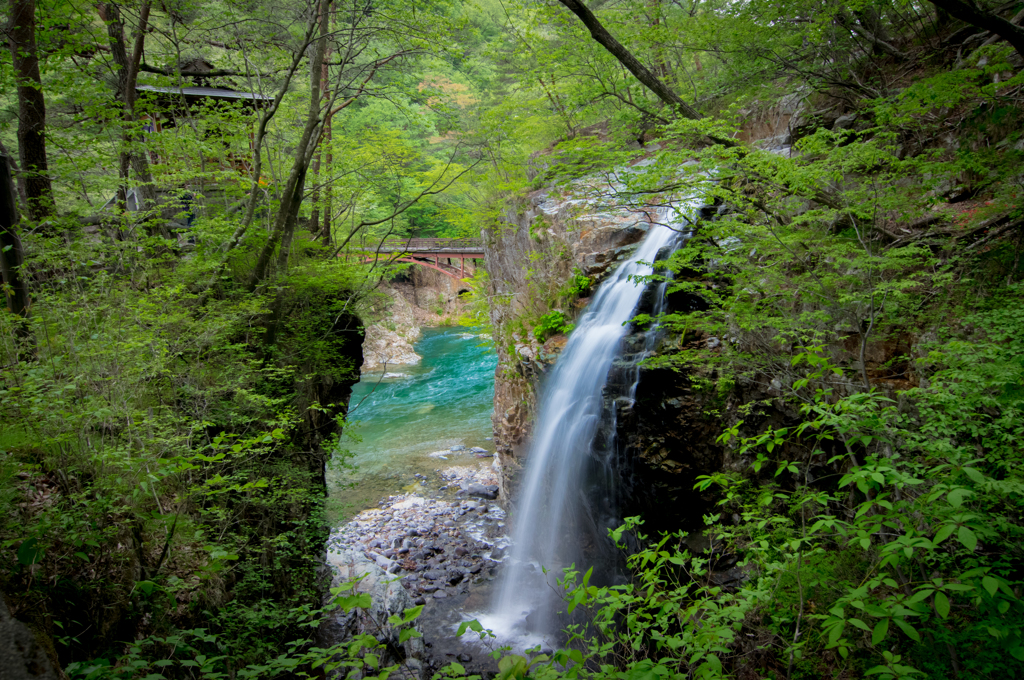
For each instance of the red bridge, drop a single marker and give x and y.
(435, 253)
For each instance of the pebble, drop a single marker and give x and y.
(477, 449)
(489, 491)
(437, 548)
(457, 448)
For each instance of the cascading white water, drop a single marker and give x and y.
(554, 511)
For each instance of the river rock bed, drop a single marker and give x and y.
(436, 547)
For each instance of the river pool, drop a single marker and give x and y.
(404, 415)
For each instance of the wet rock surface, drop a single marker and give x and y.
(439, 548)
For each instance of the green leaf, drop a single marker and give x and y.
(29, 552)
(920, 595)
(944, 532)
(967, 538)
(880, 631)
(860, 624)
(408, 634)
(991, 585)
(350, 602)
(941, 604)
(956, 497)
(974, 475)
(835, 632)
(909, 630)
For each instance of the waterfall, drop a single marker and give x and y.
(567, 499)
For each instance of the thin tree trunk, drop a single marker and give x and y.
(18, 177)
(127, 77)
(328, 203)
(326, 151)
(291, 197)
(31, 110)
(599, 33)
(12, 256)
(257, 169)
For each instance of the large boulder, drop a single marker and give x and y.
(388, 597)
(21, 655)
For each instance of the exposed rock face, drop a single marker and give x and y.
(436, 293)
(388, 597)
(21, 655)
(329, 385)
(391, 342)
(421, 297)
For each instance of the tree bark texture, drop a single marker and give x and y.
(12, 255)
(31, 109)
(600, 34)
(972, 13)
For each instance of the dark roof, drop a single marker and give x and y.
(210, 92)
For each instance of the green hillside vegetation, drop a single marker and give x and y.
(173, 378)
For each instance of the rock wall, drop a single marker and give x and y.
(420, 297)
(437, 293)
(668, 437)
(23, 654)
(390, 341)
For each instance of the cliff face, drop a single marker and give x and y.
(420, 297)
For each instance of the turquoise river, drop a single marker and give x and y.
(399, 418)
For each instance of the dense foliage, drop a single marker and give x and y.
(181, 329)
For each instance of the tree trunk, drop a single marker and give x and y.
(18, 175)
(31, 110)
(632, 64)
(12, 256)
(325, 228)
(972, 13)
(291, 197)
(127, 77)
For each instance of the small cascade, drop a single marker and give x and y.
(568, 498)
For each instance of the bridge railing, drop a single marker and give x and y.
(427, 245)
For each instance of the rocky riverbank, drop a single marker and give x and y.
(437, 546)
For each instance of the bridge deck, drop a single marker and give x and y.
(435, 253)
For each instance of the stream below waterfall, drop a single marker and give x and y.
(400, 417)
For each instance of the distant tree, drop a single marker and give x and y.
(127, 77)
